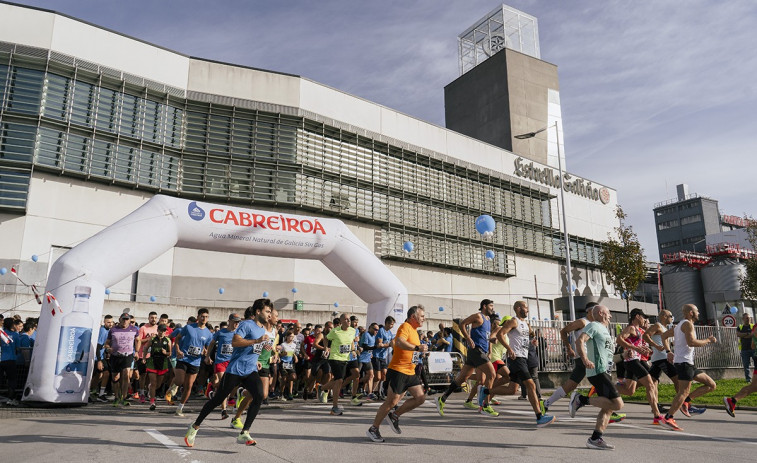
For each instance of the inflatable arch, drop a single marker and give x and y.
(61, 366)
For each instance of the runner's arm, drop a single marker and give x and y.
(647, 337)
(581, 348)
(475, 320)
(691, 338)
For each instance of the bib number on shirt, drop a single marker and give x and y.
(194, 351)
(287, 365)
(344, 349)
(257, 348)
(226, 349)
(416, 357)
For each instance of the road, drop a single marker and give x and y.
(304, 431)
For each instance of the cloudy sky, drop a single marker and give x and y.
(653, 93)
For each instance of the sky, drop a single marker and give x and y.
(653, 93)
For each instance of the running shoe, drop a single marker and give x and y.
(617, 417)
(393, 421)
(336, 411)
(178, 412)
(372, 396)
(471, 405)
(117, 403)
(224, 414)
(374, 434)
(592, 391)
(189, 437)
(545, 420)
(356, 402)
(522, 397)
(685, 409)
(102, 398)
(125, 403)
(671, 423)
(657, 420)
(135, 396)
(542, 407)
(575, 403)
(246, 439)
(481, 395)
(598, 444)
(730, 406)
(142, 399)
(439, 406)
(696, 410)
(488, 410)
(324, 396)
(169, 396)
(494, 401)
(236, 423)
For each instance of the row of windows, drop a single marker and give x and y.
(207, 150)
(670, 244)
(693, 239)
(677, 207)
(667, 224)
(691, 219)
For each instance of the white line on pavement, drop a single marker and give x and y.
(163, 439)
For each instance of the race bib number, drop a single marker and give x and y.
(416, 357)
(194, 351)
(287, 366)
(226, 349)
(344, 349)
(258, 348)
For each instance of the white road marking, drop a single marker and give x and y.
(163, 439)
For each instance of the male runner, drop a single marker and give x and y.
(597, 358)
(684, 342)
(242, 370)
(146, 332)
(401, 375)
(660, 351)
(308, 352)
(342, 340)
(121, 342)
(381, 353)
(353, 365)
(191, 346)
(751, 388)
(222, 343)
(102, 363)
(632, 341)
(156, 351)
(515, 335)
(367, 345)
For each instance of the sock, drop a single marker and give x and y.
(102, 391)
(487, 391)
(558, 394)
(583, 399)
(538, 416)
(181, 406)
(668, 416)
(596, 435)
(152, 401)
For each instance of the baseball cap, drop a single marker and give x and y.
(636, 312)
(162, 327)
(125, 316)
(234, 317)
(505, 319)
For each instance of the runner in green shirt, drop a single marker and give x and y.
(341, 340)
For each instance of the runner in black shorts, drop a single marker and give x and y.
(634, 349)
(661, 349)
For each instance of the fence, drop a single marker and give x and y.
(443, 379)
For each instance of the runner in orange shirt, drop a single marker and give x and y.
(400, 376)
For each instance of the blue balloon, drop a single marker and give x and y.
(408, 246)
(107, 290)
(35, 258)
(485, 225)
(3, 271)
(441, 309)
(153, 299)
(221, 290)
(336, 304)
(265, 293)
(490, 255)
(294, 290)
(734, 310)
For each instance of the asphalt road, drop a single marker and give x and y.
(300, 432)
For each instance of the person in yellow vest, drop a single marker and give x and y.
(751, 388)
(746, 344)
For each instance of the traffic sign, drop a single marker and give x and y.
(729, 321)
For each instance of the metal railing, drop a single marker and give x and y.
(443, 379)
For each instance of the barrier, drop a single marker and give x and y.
(442, 378)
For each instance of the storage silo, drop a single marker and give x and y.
(721, 284)
(681, 285)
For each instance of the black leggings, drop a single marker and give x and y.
(9, 369)
(230, 383)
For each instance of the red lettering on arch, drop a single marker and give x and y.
(292, 224)
(244, 219)
(258, 220)
(213, 215)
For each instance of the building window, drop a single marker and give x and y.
(670, 244)
(667, 224)
(691, 219)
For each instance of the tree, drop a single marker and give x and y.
(749, 277)
(622, 259)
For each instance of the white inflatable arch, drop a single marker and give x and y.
(61, 366)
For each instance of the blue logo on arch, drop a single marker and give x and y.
(195, 211)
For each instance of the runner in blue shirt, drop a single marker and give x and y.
(102, 365)
(248, 342)
(380, 354)
(190, 346)
(222, 343)
(367, 345)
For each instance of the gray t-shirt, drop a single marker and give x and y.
(599, 348)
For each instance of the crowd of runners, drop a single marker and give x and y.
(250, 359)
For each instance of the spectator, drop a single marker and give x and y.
(9, 345)
(746, 344)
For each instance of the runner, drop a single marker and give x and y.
(381, 355)
(222, 343)
(367, 345)
(515, 335)
(597, 358)
(660, 351)
(751, 388)
(242, 370)
(632, 341)
(401, 375)
(342, 339)
(102, 362)
(156, 351)
(353, 365)
(477, 359)
(684, 342)
(287, 353)
(121, 342)
(191, 345)
(322, 374)
(146, 332)
(308, 352)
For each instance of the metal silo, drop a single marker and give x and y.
(681, 285)
(721, 284)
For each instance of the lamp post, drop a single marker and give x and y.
(566, 236)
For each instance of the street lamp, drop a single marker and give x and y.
(566, 236)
